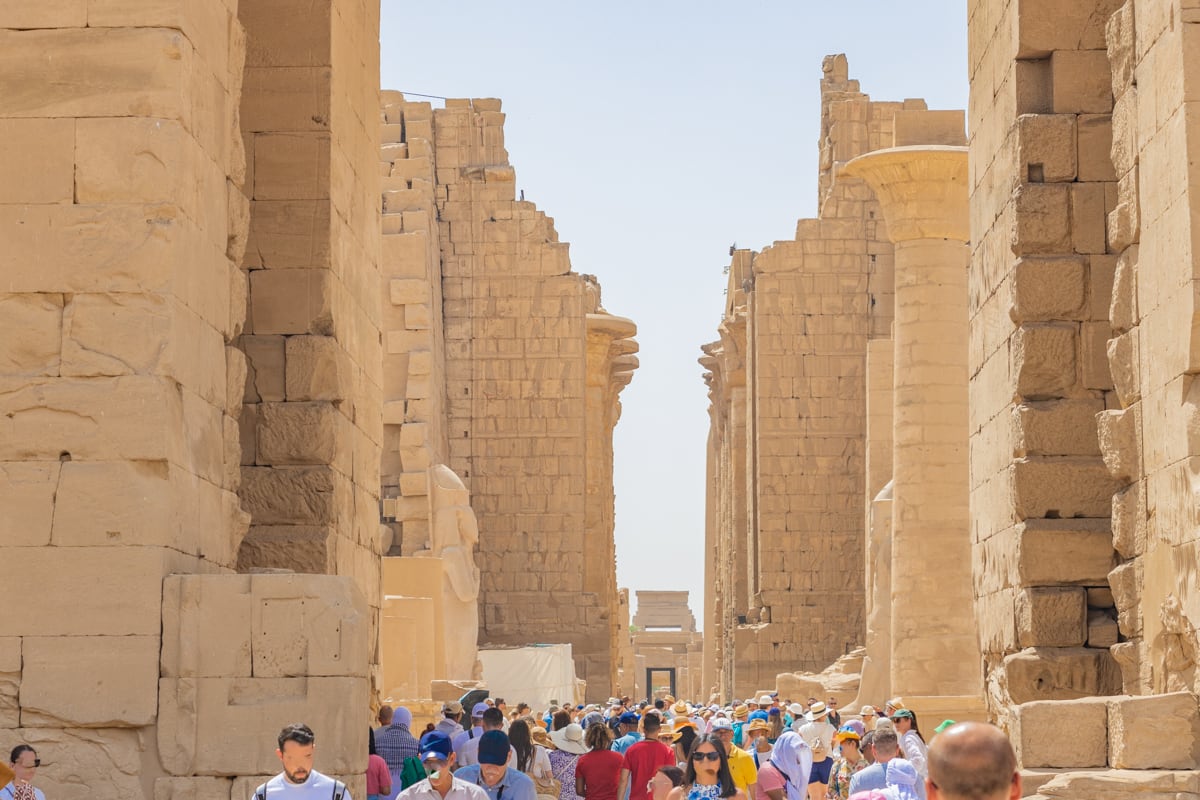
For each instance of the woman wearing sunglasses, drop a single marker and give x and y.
(24, 762)
(707, 776)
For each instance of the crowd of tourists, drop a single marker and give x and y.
(763, 748)
(760, 749)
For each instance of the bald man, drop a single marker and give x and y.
(972, 761)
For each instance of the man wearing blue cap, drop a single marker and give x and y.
(440, 784)
(468, 753)
(493, 775)
(628, 730)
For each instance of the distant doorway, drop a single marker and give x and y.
(660, 681)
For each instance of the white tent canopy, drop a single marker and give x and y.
(536, 674)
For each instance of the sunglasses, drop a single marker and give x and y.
(711, 755)
(37, 762)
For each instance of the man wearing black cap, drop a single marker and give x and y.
(441, 784)
(493, 775)
(628, 732)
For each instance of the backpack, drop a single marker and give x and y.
(339, 789)
(412, 771)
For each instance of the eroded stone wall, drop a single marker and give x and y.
(1040, 282)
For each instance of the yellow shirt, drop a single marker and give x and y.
(741, 768)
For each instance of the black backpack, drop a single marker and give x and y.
(339, 789)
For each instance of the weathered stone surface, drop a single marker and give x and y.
(1102, 628)
(84, 763)
(34, 345)
(10, 681)
(89, 681)
(1155, 732)
(1066, 673)
(1062, 734)
(27, 492)
(1054, 617)
(1061, 488)
(1044, 359)
(297, 433)
(317, 369)
(288, 495)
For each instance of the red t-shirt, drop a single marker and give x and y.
(378, 775)
(643, 760)
(600, 770)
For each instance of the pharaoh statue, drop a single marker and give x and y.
(454, 534)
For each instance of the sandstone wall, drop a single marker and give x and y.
(787, 455)
(1041, 276)
(502, 364)
(124, 209)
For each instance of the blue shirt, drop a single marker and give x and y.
(514, 785)
(627, 741)
(873, 777)
(474, 732)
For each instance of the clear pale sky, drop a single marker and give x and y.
(657, 134)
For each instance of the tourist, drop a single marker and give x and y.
(627, 728)
(776, 723)
(787, 771)
(818, 735)
(532, 758)
(492, 773)
(741, 764)
(869, 717)
(451, 714)
(440, 783)
(892, 706)
(471, 733)
(384, 717)
(741, 717)
(379, 778)
(835, 719)
(886, 746)
(569, 745)
(24, 763)
(296, 751)
(394, 744)
(973, 761)
(665, 779)
(598, 772)
(903, 781)
(867, 748)
(643, 759)
(684, 736)
(912, 743)
(759, 746)
(468, 751)
(707, 775)
(503, 706)
(847, 764)
(560, 720)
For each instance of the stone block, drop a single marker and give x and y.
(1046, 147)
(417, 317)
(1056, 427)
(286, 98)
(317, 368)
(1124, 363)
(1119, 37)
(33, 338)
(1126, 582)
(1061, 733)
(1129, 520)
(131, 72)
(10, 681)
(289, 495)
(1044, 26)
(1093, 355)
(206, 626)
(1048, 288)
(1101, 628)
(297, 548)
(1154, 732)
(38, 160)
(16, 15)
(1120, 435)
(123, 590)
(227, 726)
(115, 503)
(1124, 153)
(403, 291)
(1061, 551)
(1124, 221)
(124, 334)
(1044, 360)
(194, 788)
(1041, 219)
(1095, 147)
(290, 301)
(1052, 617)
(136, 160)
(291, 166)
(289, 234)
(27, 491)
(1060, 673)
(265, 368)
(1088, 218)
(1123, 309)
(1061, 488)
(89, 681)
(1082, 82)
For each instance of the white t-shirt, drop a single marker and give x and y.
(317, 787)
(810, 731)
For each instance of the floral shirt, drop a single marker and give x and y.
(839, 778)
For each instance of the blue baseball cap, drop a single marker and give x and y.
(435, 744)
(629, 718)
(493, 748)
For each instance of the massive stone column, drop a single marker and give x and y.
(935, 650)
